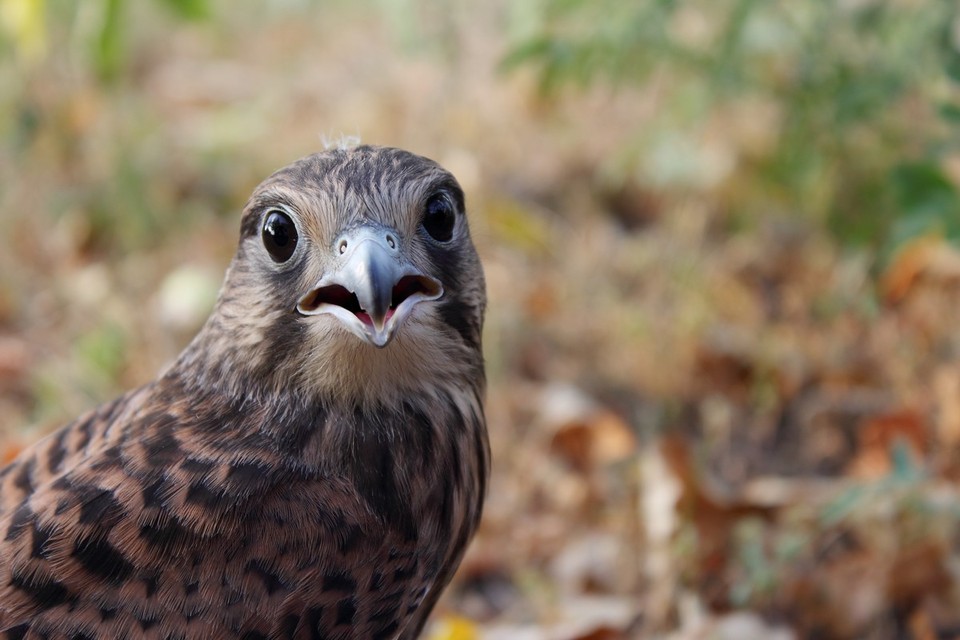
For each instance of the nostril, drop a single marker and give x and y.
(391, 241)
(342, 247)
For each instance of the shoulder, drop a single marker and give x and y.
(60, 451)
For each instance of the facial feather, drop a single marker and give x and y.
(255, 328)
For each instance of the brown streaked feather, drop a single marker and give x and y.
(281, 480)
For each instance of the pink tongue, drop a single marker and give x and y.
(366, 319)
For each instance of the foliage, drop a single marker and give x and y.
(98, 29)
(866, 96)
(814, 483)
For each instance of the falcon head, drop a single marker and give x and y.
(355, 276)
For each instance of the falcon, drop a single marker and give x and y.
(313, 465)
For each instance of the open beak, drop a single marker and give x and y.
(372, 288)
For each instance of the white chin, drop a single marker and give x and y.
(367, 330)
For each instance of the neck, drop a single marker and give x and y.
(322, 434)
(271, 353)
(317, 363)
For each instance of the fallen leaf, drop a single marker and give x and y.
(924, 257)
(917, 572)
(9, 452)
(837, 598)
(714, 517)
(602, 633)
(454, 628)
(596, 440)
(14, 359)
(946, 388)
(877, 437)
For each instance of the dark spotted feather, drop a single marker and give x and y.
(279, 481)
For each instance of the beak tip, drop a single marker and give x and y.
(372, 287)
(380, 339)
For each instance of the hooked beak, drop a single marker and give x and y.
(372, 288)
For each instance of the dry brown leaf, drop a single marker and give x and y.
(839, 598)
(713, 517)
(14, 358)
(9, 451)
(725, 364)
(905, 268)
(595, 440)
(879, 434)
(946, 388)
(541, 302)
(927, 256)
(937, 616)
(844, 596)
(921, 627)
(917, 572)
(602, 633)
(571, 443)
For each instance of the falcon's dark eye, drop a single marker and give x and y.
(279, 236)
(439, 217)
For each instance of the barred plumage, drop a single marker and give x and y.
(314, 463)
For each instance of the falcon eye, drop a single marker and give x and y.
(439, 217)
(279, 236)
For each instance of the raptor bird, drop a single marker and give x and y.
(313, 464)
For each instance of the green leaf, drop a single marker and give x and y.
(102, 352)
(927, 202)
(921, 188)
(189, 9)
(904, 470)
(952, 67)
(950, 113)
(533, 49)
(948, 49)
(843, 506)
(109, 46)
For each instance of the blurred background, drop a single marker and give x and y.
(720, 238)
